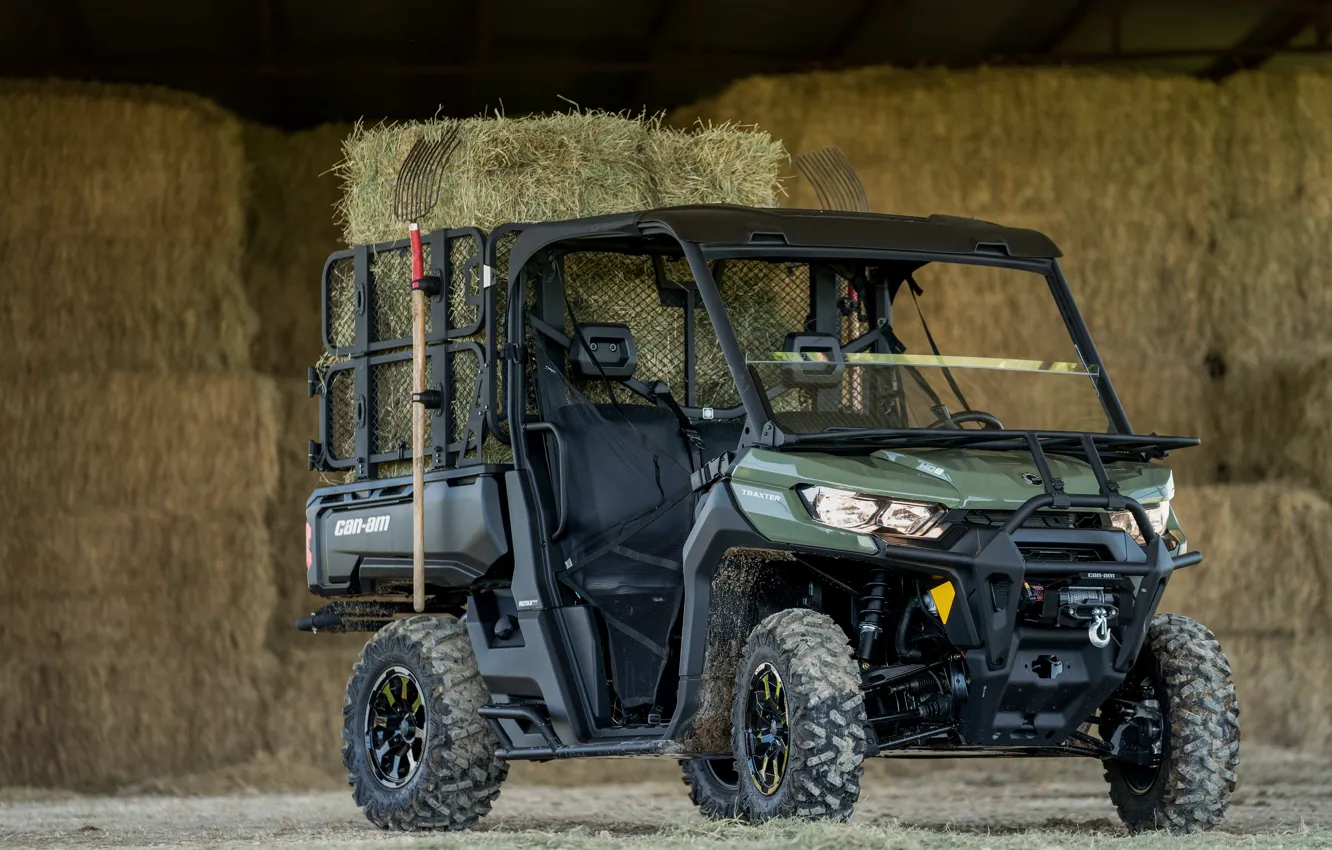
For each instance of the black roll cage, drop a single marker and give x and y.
(659, 238)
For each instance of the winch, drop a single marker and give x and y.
(1074, 606)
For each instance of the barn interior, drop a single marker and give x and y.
(169, 193)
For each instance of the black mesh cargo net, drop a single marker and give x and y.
(627, 514)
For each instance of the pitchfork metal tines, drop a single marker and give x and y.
(422, 174)
(834, 180)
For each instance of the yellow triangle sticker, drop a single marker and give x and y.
(943, 599)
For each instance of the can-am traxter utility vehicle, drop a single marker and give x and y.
(704, 484)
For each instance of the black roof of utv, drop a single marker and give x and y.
(724, 224)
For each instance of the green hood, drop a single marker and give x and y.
(957, 478)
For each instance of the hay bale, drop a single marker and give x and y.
(125, 440)
(714, 164)
(290, 232)
(976, 142)
(1283, 687)
(1275, 416)
(1271, 294)
(154, 622)
(552, 167)
(317, 669)
(117, 162)
(298, 424)
(91, 303)
(1267, 559)
(1276, 143)
(123, 230)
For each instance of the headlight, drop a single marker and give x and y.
(860, 512)
(1157, 513)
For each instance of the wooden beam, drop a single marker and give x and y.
(851, 29)
(643, 87)
(1067, 25)
(719, 63)
(1270, 36)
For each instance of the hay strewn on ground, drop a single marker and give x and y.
(553, 167)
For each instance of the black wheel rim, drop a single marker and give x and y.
(767, 730)
(395, 727)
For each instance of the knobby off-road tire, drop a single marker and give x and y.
(458, 776)
(712, 785)
(825, 718)
(1191, 789)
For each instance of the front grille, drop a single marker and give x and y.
(1062, 554)
(1041, 519)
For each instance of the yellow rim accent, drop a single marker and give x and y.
(416, 706)
(404, 687)
(943, 596)
(388, 694)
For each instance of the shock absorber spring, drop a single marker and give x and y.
(871, 615)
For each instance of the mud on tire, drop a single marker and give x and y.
(1190, 790)
(458, 775)
(825, 719)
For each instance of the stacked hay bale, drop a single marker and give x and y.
(291, 195)
(137, 597)
(1196, 221)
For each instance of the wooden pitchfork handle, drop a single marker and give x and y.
(418, 420)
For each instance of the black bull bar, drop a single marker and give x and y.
(999, 559)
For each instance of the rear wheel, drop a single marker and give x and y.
(1183, 670)
(417, 752)
(713, 785)
(798, 720)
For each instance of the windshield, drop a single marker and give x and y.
(960, 346)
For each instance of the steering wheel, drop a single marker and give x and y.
(989, 422)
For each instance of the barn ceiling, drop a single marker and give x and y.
(296, 63)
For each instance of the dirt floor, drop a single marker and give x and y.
(1284, 800)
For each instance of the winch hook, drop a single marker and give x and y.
(1099, 630)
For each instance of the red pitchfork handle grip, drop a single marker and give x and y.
(418, 253)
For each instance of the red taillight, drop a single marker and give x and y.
(309, 556)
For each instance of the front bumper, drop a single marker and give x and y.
(1012, 698)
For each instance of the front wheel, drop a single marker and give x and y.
(417, 752)
(798, 720)
(1182, 669)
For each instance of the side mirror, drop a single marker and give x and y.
(819, 361)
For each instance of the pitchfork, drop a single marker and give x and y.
(417, 192)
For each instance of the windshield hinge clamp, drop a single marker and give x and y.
(1061, 500)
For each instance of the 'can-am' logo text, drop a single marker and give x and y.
(361, 525)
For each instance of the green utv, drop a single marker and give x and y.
(704, 484)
